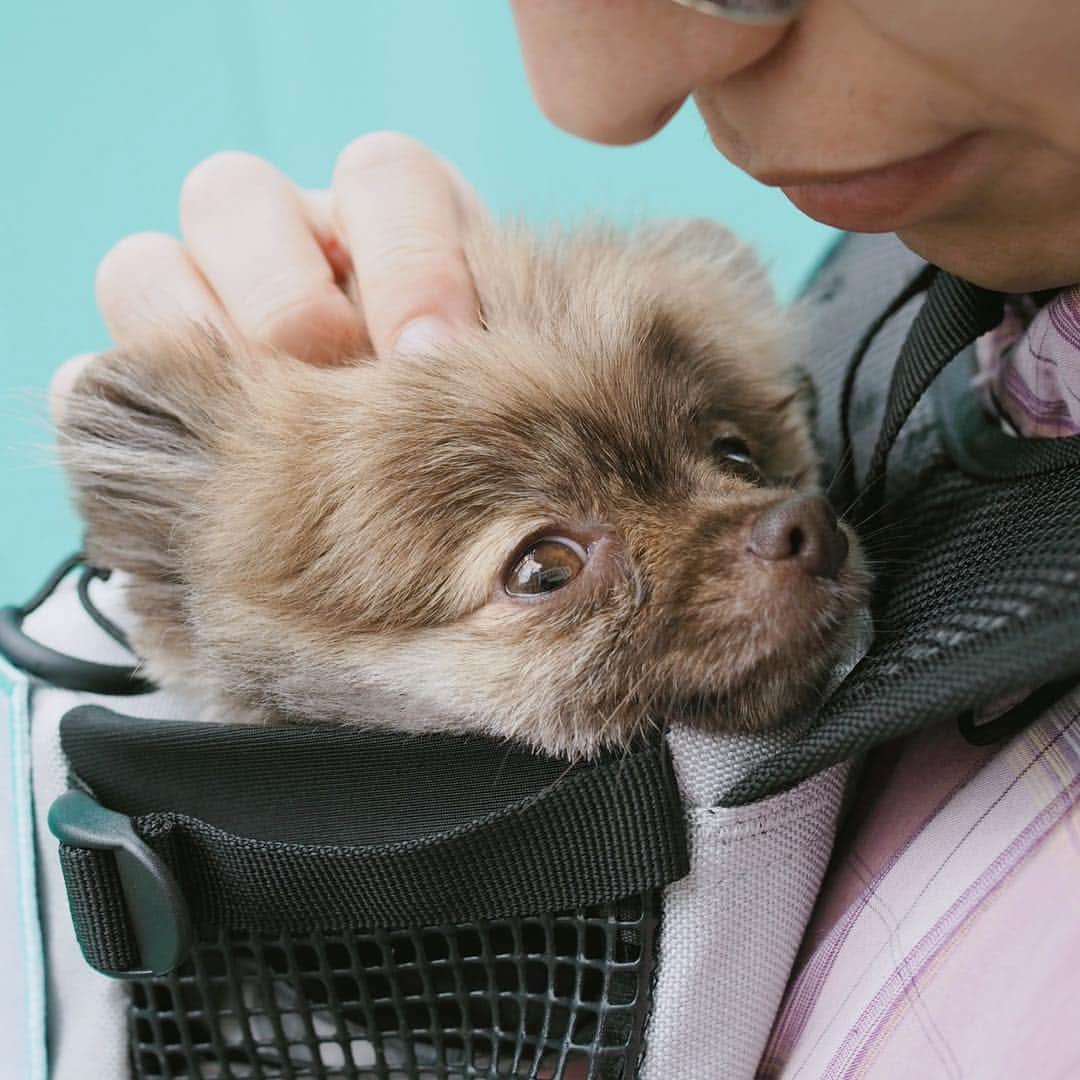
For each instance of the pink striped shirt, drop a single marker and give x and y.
(946, 942)
(1029, 366)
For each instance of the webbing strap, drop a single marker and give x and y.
(979, 571)
(596, 836)
(96, 900)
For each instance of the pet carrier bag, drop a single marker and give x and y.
(194, 900)
(253, 901)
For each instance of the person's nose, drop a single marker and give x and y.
(616, 73)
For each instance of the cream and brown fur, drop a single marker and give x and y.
(329, 545)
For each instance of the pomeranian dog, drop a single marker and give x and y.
(592, 515)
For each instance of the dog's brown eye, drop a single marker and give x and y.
(733, 456)
(549, 564)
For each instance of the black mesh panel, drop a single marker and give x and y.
(376, 952)
(559, 995)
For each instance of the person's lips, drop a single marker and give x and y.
(883, 199)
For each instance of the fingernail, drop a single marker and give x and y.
(421, 335)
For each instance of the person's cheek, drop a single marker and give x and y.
(616, 72)
(1019, 58)
(835, 96)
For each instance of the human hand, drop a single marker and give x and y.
(267, 262)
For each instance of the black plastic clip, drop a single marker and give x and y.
(156, 913)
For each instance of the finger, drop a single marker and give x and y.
(247, 230)
(398, 209)
(63, 380)
(469, 201)
(319, 207)
(147, 286)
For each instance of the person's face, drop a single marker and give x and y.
(974, 105)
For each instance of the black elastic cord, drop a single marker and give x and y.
(91, 573)
(846, 472)
(954, 315)
(57, 668)
(54, 579)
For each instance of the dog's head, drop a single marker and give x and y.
(590, 515)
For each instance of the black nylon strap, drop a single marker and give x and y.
(597, 835)
(868, 711)
(979, 593)
(96, 900)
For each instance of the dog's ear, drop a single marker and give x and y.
(137, 436)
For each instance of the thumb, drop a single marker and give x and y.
(63, 380)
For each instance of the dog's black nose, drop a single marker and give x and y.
(802, 528)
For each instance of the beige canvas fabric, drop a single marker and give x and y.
(87, 1035)
(732, 927)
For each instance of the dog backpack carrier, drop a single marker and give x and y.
(211, 900)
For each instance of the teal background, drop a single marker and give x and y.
(104, 107)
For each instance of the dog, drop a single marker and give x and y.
(592, 514)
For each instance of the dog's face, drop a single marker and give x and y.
(574, 523)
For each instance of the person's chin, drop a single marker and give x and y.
(986, 254)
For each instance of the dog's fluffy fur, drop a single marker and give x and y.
(330, 545)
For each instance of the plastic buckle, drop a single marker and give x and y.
(156, 911)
